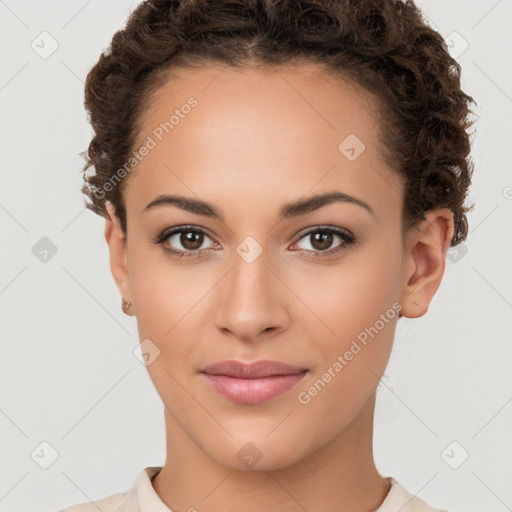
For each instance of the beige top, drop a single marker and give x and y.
(143, 498)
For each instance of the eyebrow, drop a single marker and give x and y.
(295, 209)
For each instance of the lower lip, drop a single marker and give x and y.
(253, 391)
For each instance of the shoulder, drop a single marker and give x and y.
(128, 500)
(115, 503)
(399, 498)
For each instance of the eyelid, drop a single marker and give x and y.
(166, 233)
(326, 227)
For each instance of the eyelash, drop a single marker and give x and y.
(348, 241)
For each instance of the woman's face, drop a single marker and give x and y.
(256, 276)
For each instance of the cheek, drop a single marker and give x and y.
(374, 275)
(163, 291)
(354, 293)
(357, 303)
(167, 299)
(361, 312)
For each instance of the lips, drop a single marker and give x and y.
(254, 370)
(252, 383)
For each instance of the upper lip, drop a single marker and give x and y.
(255, 370)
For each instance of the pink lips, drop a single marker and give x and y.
(252, 383)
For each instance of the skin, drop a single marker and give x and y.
(259, 139)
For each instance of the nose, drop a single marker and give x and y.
(252, 300)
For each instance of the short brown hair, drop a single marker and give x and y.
(385, 46)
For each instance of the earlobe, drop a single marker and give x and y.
(425, 260)
(116, 242)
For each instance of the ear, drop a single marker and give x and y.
(116, 242)
(425, 259)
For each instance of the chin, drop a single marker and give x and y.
(249, 454)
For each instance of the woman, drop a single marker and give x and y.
(281, 182)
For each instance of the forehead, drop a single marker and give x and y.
(258, 131)
(302, 90)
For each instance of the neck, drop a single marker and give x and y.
(341, 475)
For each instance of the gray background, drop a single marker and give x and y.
(69, 376)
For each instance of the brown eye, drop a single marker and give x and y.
(321, 240)
(185, 241)
(191, 240)
(325, 240)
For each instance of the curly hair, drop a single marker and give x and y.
(384, 46)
